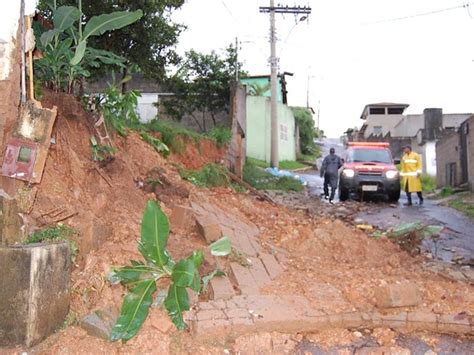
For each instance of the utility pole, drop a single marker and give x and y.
(236, 60)
(272, 10)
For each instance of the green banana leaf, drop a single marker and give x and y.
(132, 274)
(154, 235)
(63, 18)
(98, 25)
(185, 274)
(135, 309)
(176, 303)
(221, 247)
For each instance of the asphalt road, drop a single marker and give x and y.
(456, 240)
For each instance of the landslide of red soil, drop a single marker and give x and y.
(198, 154)
(319, 250)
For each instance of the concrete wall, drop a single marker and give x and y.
(429, 158)
(387, 122)
(447, 152)
(34, 292)
(259, 130)
(470, 150)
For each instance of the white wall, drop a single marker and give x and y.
(146, 108)
(430, 158)
(9, 21)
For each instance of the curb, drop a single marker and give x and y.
(459, 324)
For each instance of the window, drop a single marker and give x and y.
(377, 111)
(377, 130)
(369, 155)
(395, 110)
(24, 155)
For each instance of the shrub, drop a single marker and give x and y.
(262, 180)
(211, 175)
(428, 182)
(172, 134)
(221, 135)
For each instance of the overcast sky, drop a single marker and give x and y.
(351, 52)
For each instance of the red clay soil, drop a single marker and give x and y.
(108, 218)
(198, 154)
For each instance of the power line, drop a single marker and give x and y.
(433, 12)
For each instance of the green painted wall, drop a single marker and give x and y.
(263, 82)
(259, 125)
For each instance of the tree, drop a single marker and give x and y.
(148, 43)
(202, 86)
(305, 121)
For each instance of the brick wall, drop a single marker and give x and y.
(447, 152)
(470, 152)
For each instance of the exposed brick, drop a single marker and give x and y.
(210, 325)
(454, 323)
(237, 313)
(210, 314)
(352, 320)
(209, 229)
(271, 265)
(220, 288)
(398, 320)
(422, 321)
(244, 279)
(398, 295)
(181, 217)
(258, 272)
(242, 243)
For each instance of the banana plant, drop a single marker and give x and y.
(141, 276)
(67, 58)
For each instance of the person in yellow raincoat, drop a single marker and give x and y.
(411, 169)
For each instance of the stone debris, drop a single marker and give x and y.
(398, 295)
(100, 323)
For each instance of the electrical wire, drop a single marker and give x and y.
(433, 12)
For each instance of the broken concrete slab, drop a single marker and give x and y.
(274, 269)
(10, 220)
(209, 229)
(404, 294)
(34, 292)
(181, 216)
(100, 323)
(220, 288)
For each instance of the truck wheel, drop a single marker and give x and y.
(394, 196)
(343, 194)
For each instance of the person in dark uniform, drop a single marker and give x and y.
(330, 171)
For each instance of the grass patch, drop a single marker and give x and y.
(172, 134)
(256, 176)
(51, 234)
(211, 175)
(61, 232)
(465, 204)
(221, 135)
(292, 165)
(257, 162)
(428, 183)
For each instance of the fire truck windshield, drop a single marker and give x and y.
(369, 155)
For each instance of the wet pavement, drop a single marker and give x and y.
(456, 242)
(402, 344)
